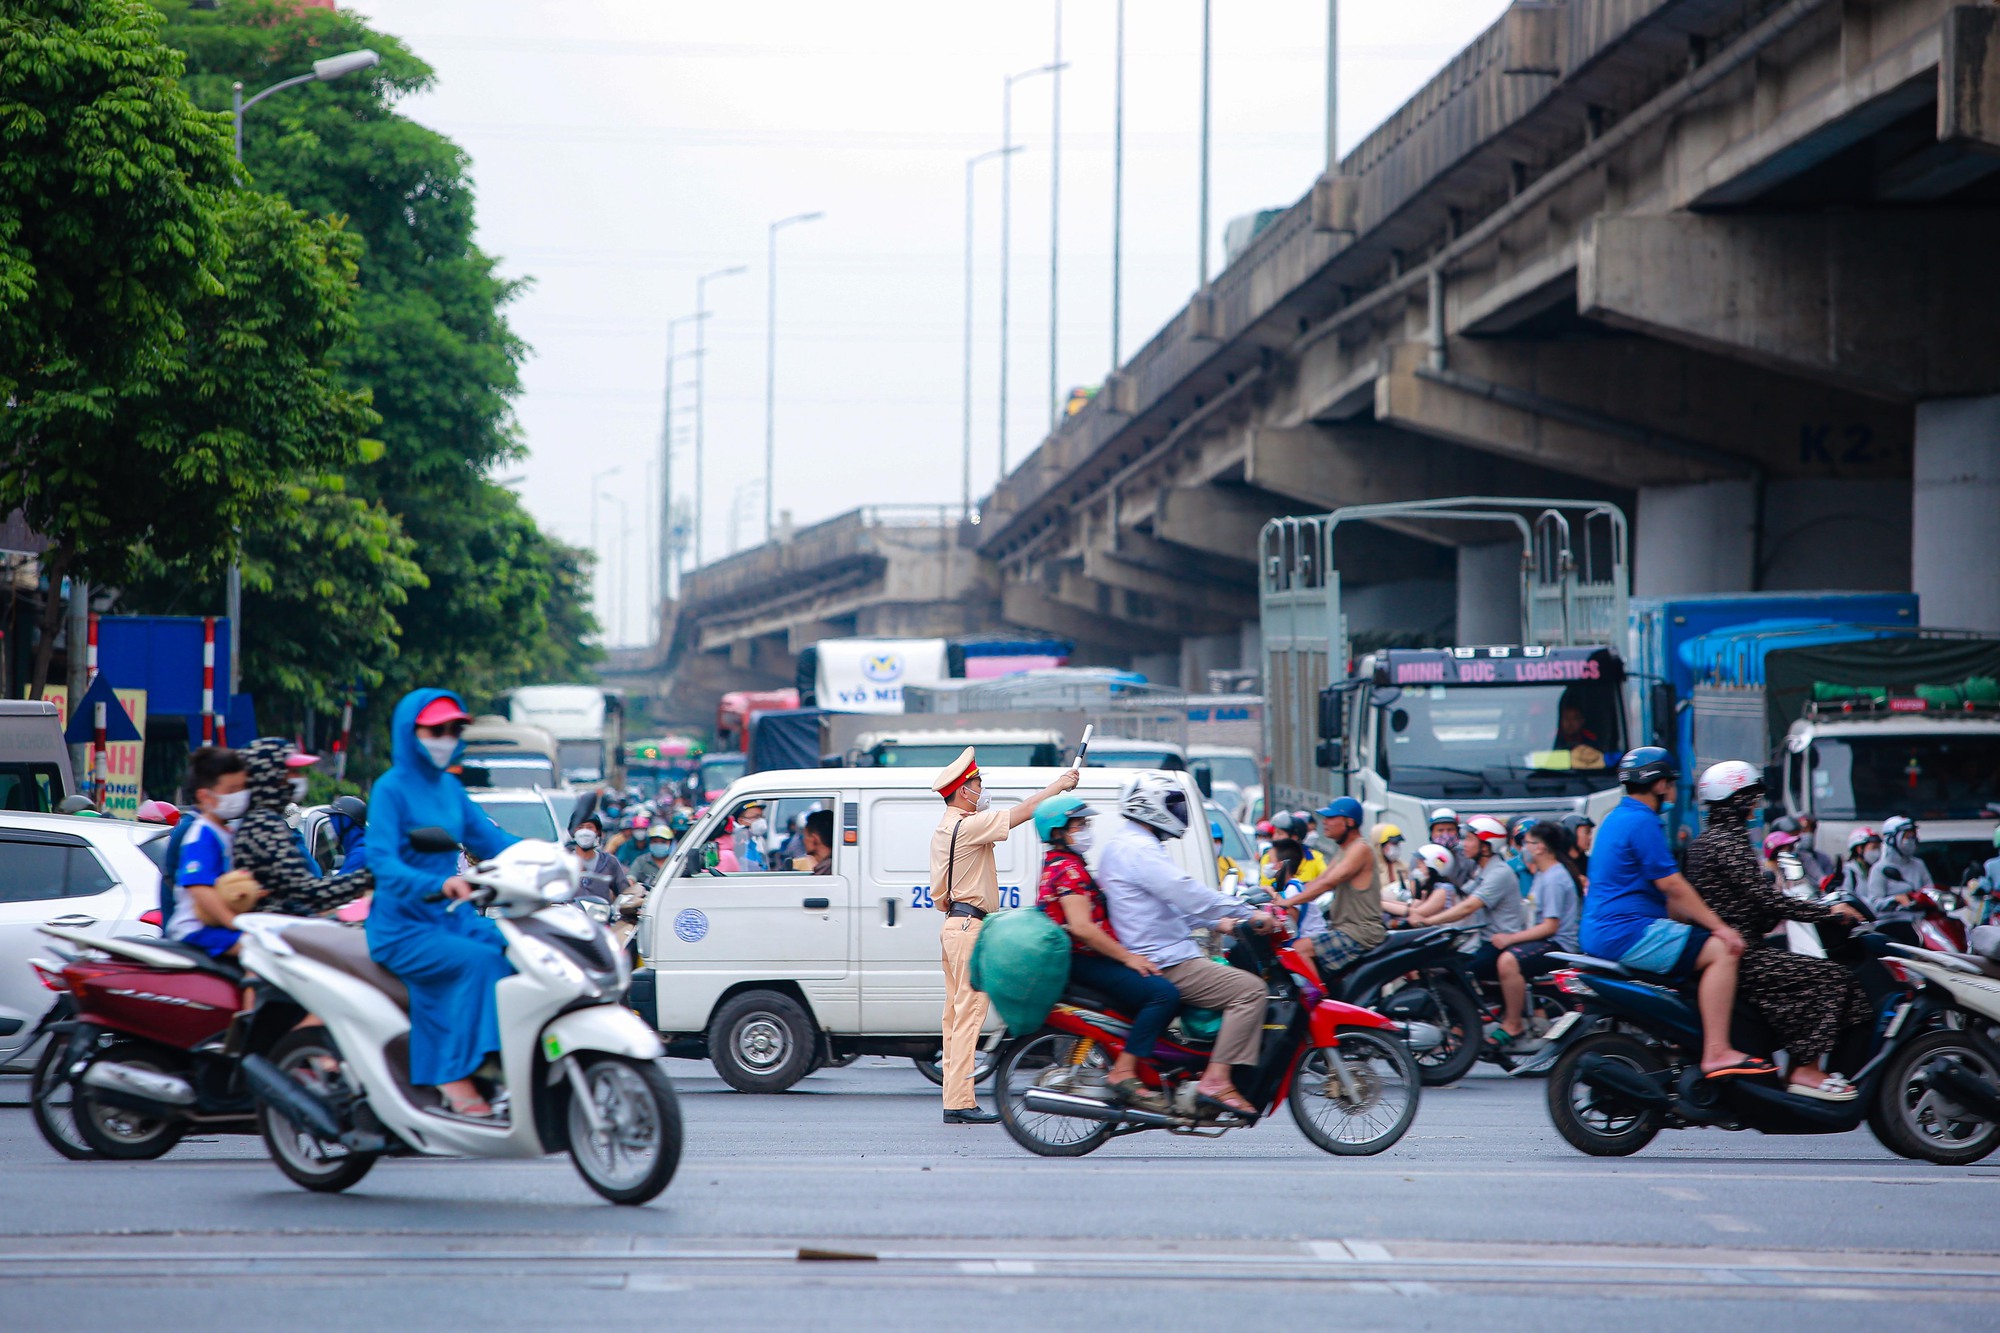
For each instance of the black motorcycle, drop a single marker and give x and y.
(1420, 981)
(1633, 1067)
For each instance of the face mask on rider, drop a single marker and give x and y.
(1871, 855)
(659, 848)
(299, 790)
(439, 748)
(586, 838)
(232, 807)
(1079, 841)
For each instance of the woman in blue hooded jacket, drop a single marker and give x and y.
(449, 960)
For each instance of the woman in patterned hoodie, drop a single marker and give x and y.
(266, 846)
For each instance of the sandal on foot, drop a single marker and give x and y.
(1214, 1106)
(1752, 1067)
(1132, 1092)
(1833, 1088)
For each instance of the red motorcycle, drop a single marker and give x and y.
(1352, 1084)
(150, 1047)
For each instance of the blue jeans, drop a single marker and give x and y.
(1150, 1002)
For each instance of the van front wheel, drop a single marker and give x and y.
(762, 1041)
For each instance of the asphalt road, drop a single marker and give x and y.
(1481, 1217)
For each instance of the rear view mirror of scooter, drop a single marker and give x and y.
(431, 838)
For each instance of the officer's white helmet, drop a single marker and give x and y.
(1724, 780)
(1157, 801)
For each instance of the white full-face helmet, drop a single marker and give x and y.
(1157, 801)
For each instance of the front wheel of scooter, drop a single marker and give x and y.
(1370, 1109)
(632, 1154)
(310, 1057)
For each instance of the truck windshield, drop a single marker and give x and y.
(1024, 754)
(1500, 740)
(1924, 776)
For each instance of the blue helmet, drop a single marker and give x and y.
(1342, 807)
(1645, 766)
(1215, 830)
(1057, 811)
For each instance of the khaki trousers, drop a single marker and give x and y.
(1209, 985)
(964, 1011)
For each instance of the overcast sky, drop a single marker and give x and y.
(622, 148)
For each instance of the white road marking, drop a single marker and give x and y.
(1730, 1223)
(1680, 1192)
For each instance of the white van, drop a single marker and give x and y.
(774, 973)
(34, 762)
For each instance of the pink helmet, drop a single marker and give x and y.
(158, 812)
(1778, 841)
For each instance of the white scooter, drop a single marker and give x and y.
(580, 1071)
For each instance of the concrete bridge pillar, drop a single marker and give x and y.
(1954, 550)
(1693, 539)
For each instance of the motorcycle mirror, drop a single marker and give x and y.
(432, 839)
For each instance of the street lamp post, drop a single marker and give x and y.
(1332, 85)
(1205, 30)
(624, 560)
(332, 67)
(965, 488)
(701, 387)
(1007, 233)
(771, 360)
(596, 554)
(667, 553)
(1118, 186)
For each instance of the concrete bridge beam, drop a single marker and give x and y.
(1905, 305)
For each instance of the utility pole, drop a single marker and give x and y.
(1007, 233)
(965, 483)
(771, 361)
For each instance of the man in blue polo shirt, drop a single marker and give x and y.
(1642, 912)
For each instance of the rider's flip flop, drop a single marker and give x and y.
(1749, 1068)
(1216, 1106)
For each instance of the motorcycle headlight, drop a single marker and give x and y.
(596, 909)
(554, 961)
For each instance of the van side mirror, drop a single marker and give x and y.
(1331, 754)
(1204, 779)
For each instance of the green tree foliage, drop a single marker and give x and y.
(164, 336)
(502, 603)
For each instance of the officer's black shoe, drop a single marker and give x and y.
(971, 1115)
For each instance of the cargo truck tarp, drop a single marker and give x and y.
(785, 740)
(1897, 663)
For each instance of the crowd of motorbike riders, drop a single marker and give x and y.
(1523, 890)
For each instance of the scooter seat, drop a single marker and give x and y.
(1086, 997)
(1984, 964)
(203, 960)
(345, 949)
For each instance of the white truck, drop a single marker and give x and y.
(772, 974)
(588, 722)
(1536, 726)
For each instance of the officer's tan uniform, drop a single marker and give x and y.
(971, 877)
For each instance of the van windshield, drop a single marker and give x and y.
(30, 788)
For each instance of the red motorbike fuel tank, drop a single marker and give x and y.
(176, 1008)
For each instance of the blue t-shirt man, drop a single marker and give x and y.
(1630, 853)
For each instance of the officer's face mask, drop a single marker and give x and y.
(982, 801)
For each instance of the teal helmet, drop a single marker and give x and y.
(1057, 811)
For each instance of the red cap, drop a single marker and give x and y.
(440, 711)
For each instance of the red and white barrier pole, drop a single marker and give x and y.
(90, 657)
(208, 680)
(99, 765)
(340, 746)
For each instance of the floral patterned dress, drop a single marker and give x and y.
(1809, 1001)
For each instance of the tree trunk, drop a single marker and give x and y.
(56, 563)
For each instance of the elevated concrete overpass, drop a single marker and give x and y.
(1726, 263)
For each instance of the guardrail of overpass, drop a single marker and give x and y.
(843, 540)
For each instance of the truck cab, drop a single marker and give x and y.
(1504, 728)
(1942, 770)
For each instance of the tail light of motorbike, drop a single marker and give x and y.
(1898, 971)
(50, 975)
(1569, 981)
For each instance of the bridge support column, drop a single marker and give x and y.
(1489, 593)
(1692, 539)
(1954, 557)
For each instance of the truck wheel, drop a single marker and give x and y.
(762, 1041)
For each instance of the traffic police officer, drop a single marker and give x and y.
(965, 885)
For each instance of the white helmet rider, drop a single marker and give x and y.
(1721, 781)
(1155, 800)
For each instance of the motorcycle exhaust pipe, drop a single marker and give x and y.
(1621, 1080)
(1421, 1036)
(1047, 1101)
(285, 1096)
(147, 1084)
(1966, 1088)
